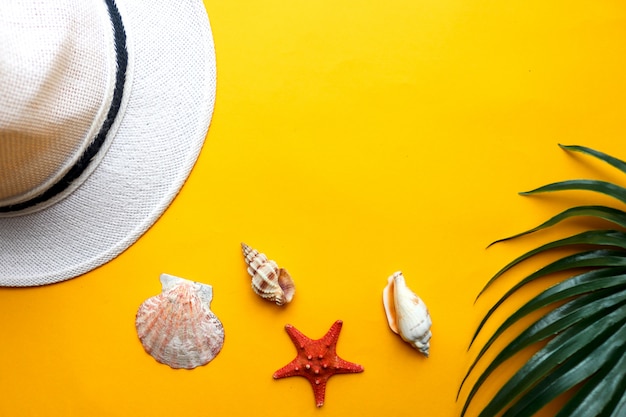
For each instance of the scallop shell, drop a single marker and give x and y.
(407, 314)
(268, 280)
(177, 327)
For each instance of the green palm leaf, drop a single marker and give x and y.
(598, 258)
(585, 330)
(599, 290)
(612, 215)
(617, 163)
(602, 393)
(606, 238)
(603, 187)
(558, 364)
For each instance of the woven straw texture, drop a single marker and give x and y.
(171, 77)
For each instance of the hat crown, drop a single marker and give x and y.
(154, 61)
(57, 76)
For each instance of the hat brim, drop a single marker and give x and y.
(158, 140)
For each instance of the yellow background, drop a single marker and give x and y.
(350, 139)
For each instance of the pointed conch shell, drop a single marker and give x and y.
(268, 280)
(177, 327)
(407, 314)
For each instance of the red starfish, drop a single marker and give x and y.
(317, 360)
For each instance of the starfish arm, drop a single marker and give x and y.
(344, 367)
(331, 336)
(291, 369)
(297, 337)
(319, 390)
(318, 382)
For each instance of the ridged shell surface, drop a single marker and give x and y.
(177, 327)
(268, 280)
(407, 314)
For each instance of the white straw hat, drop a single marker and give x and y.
(104, 107)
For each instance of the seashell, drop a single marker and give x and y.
(407, 314)
(268, 280)
(177, 327)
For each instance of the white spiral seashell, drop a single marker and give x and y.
(407, 314)
(268, 280)
(177, 327)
